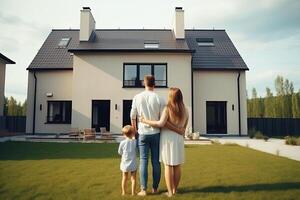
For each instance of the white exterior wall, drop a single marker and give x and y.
(2, 86)
(58, 82)
(100, 77)
(220, 86)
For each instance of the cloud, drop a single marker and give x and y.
(268, 23)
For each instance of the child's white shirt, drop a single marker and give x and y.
(127, 149)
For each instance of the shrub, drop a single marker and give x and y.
(292, 140)
(259, 135)
(251, 133)
(266, 138)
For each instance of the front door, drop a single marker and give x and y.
(216, 117)
(100, 114)
(126, 112)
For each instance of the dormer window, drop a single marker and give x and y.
(151, 44)
(205, 41)
(63, 43)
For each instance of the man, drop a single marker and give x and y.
(148, 104)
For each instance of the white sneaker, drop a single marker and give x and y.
(142, 193)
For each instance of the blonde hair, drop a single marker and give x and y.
(128, 131)
(175, 106)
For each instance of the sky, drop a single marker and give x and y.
(265, 32)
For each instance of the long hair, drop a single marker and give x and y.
(175, 106)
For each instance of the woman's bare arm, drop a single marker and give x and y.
(161, 123)
(174, 128)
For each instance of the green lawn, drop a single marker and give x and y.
(91, 171)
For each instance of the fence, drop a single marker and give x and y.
(275, 126)
(13, 123)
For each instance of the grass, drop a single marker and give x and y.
(91, 171)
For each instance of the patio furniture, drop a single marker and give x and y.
(75, 133)
(89, 134)
(104, 134)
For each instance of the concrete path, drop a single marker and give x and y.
(272, 146)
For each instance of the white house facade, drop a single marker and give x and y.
(3, 62)
(87, 78)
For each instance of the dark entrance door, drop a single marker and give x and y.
(216, 117)
(126, 112)
(100, 114)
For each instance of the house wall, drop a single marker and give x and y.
(100, 76)
(2, 86)
(220, 86)
(58, 82)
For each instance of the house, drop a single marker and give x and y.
(87, 78)
(3, 61)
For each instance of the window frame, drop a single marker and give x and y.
(60, 110)
(137, 84)
(67, 39)
(205, 42)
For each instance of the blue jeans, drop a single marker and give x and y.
(145, 143)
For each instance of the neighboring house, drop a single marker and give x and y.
(87, 78)
(3, 61)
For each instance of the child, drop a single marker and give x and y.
(128, 166)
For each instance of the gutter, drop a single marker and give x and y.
(133, 50)
(239, 103)
(34, 103)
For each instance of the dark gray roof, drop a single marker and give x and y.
(50, 56)
(222, 56)
(6, 60)
(131, 40)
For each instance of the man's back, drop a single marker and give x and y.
(150, 105)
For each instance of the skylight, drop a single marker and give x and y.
(64, 42)
(151, 44)
(205, 41)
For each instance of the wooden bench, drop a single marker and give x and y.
(89, 134)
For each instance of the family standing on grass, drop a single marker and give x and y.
(157, 129)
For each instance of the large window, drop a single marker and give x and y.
(134, 74)
(59, 112)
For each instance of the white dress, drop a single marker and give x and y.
(171, 147)
(127, 149)
(171, 143)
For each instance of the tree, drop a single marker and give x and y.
(14, 108)
(296, 105)
(269, 104)
(24, 108)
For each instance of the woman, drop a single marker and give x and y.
(172, 143)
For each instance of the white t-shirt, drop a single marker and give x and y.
(151, 106)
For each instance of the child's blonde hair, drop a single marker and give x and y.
(128, 131)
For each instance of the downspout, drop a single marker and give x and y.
(239, 103)
(34, 104)
(192, 84)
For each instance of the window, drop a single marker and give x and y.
(144, 70)
(133, 74)
(151, 44)
(130, 75)
(63, 43)
(59, 112)
(205, 41)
